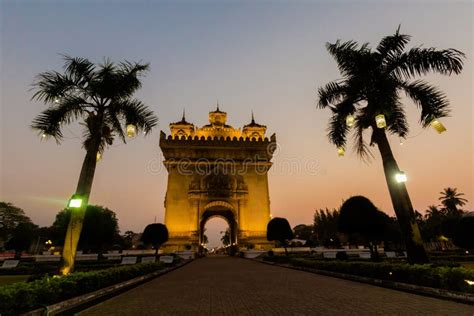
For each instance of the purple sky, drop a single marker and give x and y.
(264, 56)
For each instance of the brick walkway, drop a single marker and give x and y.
(233, 286)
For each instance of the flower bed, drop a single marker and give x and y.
(21, 297)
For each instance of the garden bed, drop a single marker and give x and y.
(447, 278)
(22, 297)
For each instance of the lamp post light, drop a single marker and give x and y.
(401, 177)
(75, 202)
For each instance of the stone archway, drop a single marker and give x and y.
(226, 214)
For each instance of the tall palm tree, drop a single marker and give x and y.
(101, 98)
(451, 199)
(371, 83)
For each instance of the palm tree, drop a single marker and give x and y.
(100, 97)
(371, 83)
(451, 199)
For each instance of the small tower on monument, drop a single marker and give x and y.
(182, 128)
(254, 130)
(217, 118)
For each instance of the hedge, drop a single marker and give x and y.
(22, 297)
(448, 278)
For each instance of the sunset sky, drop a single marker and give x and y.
(265, 56)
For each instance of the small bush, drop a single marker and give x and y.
(342, 255)
(22, 297)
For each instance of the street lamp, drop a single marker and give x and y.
(75, 202)
(401, 177)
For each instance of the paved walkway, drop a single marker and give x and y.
(233, 286)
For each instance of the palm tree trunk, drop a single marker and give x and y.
(401, 201)
(83, 189)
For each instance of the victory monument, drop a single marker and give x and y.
(217, 170)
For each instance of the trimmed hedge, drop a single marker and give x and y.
(22, 297)
(448, 278)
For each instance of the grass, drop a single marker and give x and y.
(10, 279)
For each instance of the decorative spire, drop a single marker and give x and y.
(217, 105)
(184, 115)
(253, 120)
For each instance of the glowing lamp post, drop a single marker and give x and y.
(350, 120)
(131, 130)
(380, 121)
(75, 202)
(438, 126)
(401, 177)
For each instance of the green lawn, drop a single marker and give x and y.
(9, 279)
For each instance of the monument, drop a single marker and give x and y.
(217, 170)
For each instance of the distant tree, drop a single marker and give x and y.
(463, 236)
(99, 232)
(392, 237)
(452, 200)
(11, 216)
(155, 234)
(325, 227)
(303, 231)
(22, 237)
(127, 238)
(226, 237)
(358, 215)
(278, 229)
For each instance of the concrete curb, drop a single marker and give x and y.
(405, 287)
(109, 291)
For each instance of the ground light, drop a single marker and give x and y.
(401, 177)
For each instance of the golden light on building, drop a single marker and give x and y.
(438, 126)
(350, 120)
(380, 121)
(341, 151)
(131, 130)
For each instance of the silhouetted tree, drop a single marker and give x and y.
(99, 231)
(325, 227)
(278, 229)
(303, 231)
(11, 216)
(463, 236)
(22, 237)
(156, 235)
(101, 98)
(371, 83)
(358, 215)
(451, 200)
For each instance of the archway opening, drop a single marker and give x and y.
(216, 235)
(218, 231)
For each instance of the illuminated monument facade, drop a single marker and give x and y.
(217, 170)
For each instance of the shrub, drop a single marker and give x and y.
(22, 297)
(425, 275)
(342, 255)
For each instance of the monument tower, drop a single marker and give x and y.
(217, 170)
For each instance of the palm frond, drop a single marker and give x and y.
(392, 45)
(337, 130)
(421, 61)
(331, 93)
(80, 69)
(50, 120)
(433, 102)
(137, 113)
(396, 121)
(346, 55)
(360, 146)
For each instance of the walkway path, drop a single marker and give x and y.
(233, 286)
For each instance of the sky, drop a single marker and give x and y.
(262, 56)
